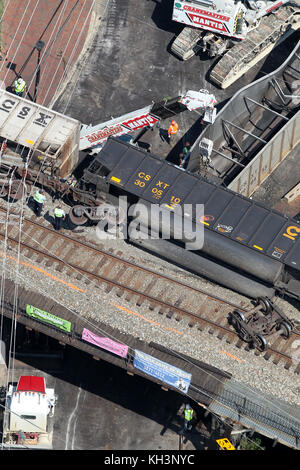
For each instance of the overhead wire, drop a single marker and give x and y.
(40, 105)
(28, 21)
(96, 328)
(82, 30)
(16, 287)
(52, 43)
(13, 329)
(22, 182)
(47, 50)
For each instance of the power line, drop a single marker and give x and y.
(96, 328)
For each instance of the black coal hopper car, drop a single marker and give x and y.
(247, 247)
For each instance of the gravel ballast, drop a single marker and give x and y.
(147, 325)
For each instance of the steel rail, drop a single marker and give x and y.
(196, 319)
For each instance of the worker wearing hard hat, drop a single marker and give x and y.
(19, 86)
(172, 131)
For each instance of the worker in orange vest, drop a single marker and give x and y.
(172, 131)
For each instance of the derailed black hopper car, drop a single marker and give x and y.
(247, 247)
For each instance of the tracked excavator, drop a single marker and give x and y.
(240, 32)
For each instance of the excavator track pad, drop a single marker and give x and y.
(184, 45)
(272, 30)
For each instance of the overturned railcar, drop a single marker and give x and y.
(247, 247)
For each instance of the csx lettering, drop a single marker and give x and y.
(292, 232)
(162, 184)
(24, 112)
(7, 105)
(143, 175)
(42, 120)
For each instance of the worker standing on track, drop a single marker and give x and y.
(172, 131)
(39, 201)
(19, 86)
(188, 416)
(59, 216)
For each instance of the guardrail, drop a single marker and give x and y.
(267, 160)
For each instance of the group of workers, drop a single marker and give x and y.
(39, 203)
(184, 156)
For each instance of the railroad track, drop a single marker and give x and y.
(136, 284)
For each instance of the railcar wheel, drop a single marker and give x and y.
(236, 319)
(285, 329)
(77, 216)
(265, 304)
(260, 342)
(237, 316)
(245, 337)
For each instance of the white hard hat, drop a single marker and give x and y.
(20, 80)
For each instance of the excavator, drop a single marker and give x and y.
(239, 32)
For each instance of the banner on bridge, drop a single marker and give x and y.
(163, 371)
(46, 317)
(105, 343)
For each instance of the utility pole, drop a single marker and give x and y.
(39, 46)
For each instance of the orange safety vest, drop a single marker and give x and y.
(173, 129)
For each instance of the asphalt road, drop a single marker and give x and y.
(100, 406)
(129, 65)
